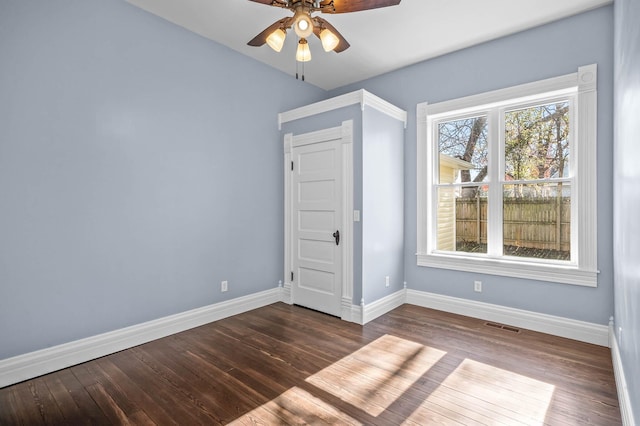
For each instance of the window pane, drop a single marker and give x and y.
(537, 142)
(462, 148)
(537, 221)
(462, 219)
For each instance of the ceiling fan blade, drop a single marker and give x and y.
(320, 24)
(345, 6)
(261, 38)
(269, 2)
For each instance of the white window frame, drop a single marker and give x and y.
(581, 89)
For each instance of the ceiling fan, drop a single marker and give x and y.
(304, 24)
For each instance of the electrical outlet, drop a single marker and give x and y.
(224, 286)
(477, 286)
(386, 281)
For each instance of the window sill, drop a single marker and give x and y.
(565, 274)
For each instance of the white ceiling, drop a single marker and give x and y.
(382, 40)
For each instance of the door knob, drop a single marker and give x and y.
(336, 235)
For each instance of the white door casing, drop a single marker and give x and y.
(319, 202)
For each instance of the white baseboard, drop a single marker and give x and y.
(34, 364)
(382, 306)
(624, 399)
(286, 293)
(557, 326)
(350, 312)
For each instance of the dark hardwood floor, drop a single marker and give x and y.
(287, 365)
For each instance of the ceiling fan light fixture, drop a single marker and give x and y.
(303, 25)
(303, 54)
(329, 40)
(276, 39)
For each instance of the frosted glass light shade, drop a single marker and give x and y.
(276, 39)
(329, 40)
(303, 26)
(303, 54)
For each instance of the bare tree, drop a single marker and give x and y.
(466, 139)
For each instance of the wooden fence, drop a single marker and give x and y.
(539, 223)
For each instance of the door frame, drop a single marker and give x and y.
(343, 132)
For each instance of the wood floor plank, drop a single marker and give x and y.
(47, 404)
(9, 406)
(162, 391)
(71, 412)
(283, 364)
(141, 418)
(28, 412)
(109, 407)
(88, 409)
(112, 388)
(137, 393)
(222, 398)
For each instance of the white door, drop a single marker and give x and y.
(316, 225)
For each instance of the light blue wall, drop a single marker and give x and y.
(627, 193)
(551, 50)
(140, 165)
(382, 204)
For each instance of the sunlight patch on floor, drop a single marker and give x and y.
(295, 406)
(478, 392)
(375, 376)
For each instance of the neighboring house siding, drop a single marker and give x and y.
(449, 170)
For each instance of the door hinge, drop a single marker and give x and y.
(291, 276)
(292, 166)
